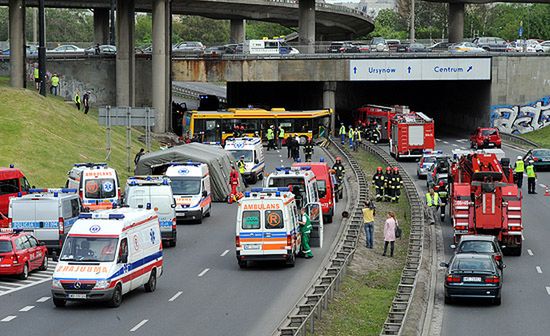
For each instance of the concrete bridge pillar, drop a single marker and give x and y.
(161, 80)
(329, 101)
(237, 31)
(101, 25)
(456, 22)
(125, 56)
(306, 26)
(17, 43)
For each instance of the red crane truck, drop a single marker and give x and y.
(485, 200)
(411, 134)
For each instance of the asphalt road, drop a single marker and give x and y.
(526, 285)
(202, 292)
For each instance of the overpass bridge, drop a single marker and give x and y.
(328, 21)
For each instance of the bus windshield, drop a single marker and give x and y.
(185, 185)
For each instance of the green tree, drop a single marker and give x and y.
(196, 28)
(389, 24)
(258, 30)
(143, 30)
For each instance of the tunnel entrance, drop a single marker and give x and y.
(457, 106)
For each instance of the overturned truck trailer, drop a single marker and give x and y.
(219, 163)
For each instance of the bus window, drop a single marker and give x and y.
(302, 125)
(207, 130)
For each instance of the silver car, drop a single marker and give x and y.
(426, 162)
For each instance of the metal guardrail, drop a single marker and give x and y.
(315, 300)
(517, 139)
(407, 284)
(193, 94)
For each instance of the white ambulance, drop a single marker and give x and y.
(154, 192)
(192, 190)
(267, 226)
(97, 184)
(47, 213)
(107, 254)
(252, 151)
(302, 182)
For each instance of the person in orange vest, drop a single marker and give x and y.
(234, 183)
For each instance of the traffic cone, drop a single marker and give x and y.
(547, 192)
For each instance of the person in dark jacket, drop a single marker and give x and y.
(139, 155)
(86, 102)
(289, 144)
(308, 150)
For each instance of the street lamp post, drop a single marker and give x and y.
(42, 47)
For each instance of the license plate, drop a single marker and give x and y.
(251, 247)
(491, 145)
(461, 231)
(77, 296)
(471, 279)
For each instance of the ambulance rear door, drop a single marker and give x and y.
(315, 213)
(251, 232)
(275, 232)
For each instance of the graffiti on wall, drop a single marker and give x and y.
(519, 119)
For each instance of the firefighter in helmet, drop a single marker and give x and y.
(378, 183)
(443, 197)
(397, 184)
(308, 150)
(388, 194)
(339, 172)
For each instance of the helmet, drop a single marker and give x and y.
(338, 159)
(379, 169)
(388, 168)
(441, 183)
(519, 157)
(395, 169)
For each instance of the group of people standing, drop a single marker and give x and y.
(292, 144)
(521, 169)
(354, 135)
(387, 185)
(85, 101)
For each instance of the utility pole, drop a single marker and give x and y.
(112, 23)
(42, 47)
(35, 25)
(412, 31)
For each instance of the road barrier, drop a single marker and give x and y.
(301, 319)
(517, 139)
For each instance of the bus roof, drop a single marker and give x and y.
(246, 113)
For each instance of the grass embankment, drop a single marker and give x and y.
(44, 137)
(541, 136)
(362, 305)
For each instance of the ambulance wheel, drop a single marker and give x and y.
(291, 261)
(44, 265)
(25, 274)
(254, 179)
(261, 176)
(199, 220)
(209, 212)
(151, 285)
(59, 302)
(243, 263)
(116, 299)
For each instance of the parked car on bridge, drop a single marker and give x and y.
(101, 50)
(540, 156)
(218, 51)
(66, 49)
(480, 244)
(545, 46)
(189, 47)
(364, 48)
(31, 51)
(378, 44)
(418, 47)
(495, 44)
(343, 47)
(440, 47)
(533, 46)
(21, 253)
(403, 47)
(392, 45)
(475, 276)
(468, 47)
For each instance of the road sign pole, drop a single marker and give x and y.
(128, 138)
(108, 128)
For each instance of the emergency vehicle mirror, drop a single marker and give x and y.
(204, 193)
(453, 246)
(444, 264)
(173, 205)
(256, 161)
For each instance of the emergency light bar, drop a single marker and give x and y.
(188, 163)
(429, 151)
(283, 189)
(212, 143)
(100, 216)
(143, 180)
(52, 190)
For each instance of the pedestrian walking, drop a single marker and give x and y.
(432, 205)
(281, 134)
(369, 212)
(389, 232)
(86, 102)
(270, 135)
(289, 144)
(519, 170)
(342, 133)
(531, 177)
(138, 156)
(351, 133)
(378, 181)
(305, 229)
(308, 150)
(55, 84)
(77, 100)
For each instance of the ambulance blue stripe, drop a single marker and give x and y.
(136, 264)
(262, 235)
(45, 224)
(258, 165)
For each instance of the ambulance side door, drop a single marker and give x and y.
(123, 261)
(315, 213)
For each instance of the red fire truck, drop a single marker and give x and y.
(12, 182)
(485, 200)
(411, 134)
(382, 115)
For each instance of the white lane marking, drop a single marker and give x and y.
(224, 253)
(522, 237)
(26, 309)
(455, 145)
(139, 325)
(43, 299)
(173, 298)
(539, 270)
(542, 185)
(436, 139)
(204, 272)
(548, 290)
(463, 148)
(446, 142)
(461, 140)
(5, 287)
(280, 155)
(27, 285)
(11, 317)
(529, 252)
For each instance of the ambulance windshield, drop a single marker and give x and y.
(89, 249)
(186, 185)
(248, 154)
(100, 188)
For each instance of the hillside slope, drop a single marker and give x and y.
(45, 136)
(540, 136)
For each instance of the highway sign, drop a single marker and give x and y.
(420, 69)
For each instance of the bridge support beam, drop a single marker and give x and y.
(306, 26)
(101, 25)
(17, 43)
(125, 56)
(329, 101)
(161, 80)
(237, 31)
(456, 22)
